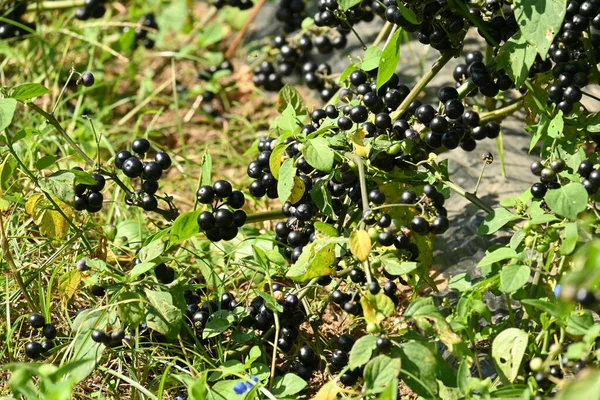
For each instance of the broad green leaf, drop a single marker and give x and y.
(408, 14)
(371, 59)
(500, 254)
(210, 34)
(7, 111)
(45, 162)
(391, 392)
(389, 58)
(318, 154)
(206, 177)
(418, 360)
(360, 244)
(198, 389)
(380, 372)
(516, 57)
(316, 260)
(151, 251)
(270, 302)
(587, 386)
(580, 322)
(185, 227)
(28, 91)
(326, 229)
(289, 385)
(508, 349)
(539, 21)
(286, 183)
(495, 221)
(376, 307)
(550, 308)
(141, 269)
(567, 201)
(163, 316)
(347, 4)
(361, 351)
(288, 95)
(395, 267)
(62, 183)
(513, 277)
(215, 327)
(321, 196)
(569, 239)
(131, 309)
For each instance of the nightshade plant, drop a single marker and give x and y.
(307, 272)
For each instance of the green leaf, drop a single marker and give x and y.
(371, 60)
(285, 185)
(508, 349)
(211, 34)
(288, 95)
(360, 244)
(513, 277)
(580, 322)
(347, 4)
(28, 91)
(495, 221)
(550, 308)
(516, 57)
(539, 21)
(380, 372)
(62, 183)
(206, 177)
(318, 154)
(322, 197)
(141, 269)
(408, 14)
(131, 308)
(163, 316)
(45, 162)
(389, 58)
(502, 253)
(361, 351)
(316, 260)
(289, 385)
(567, 201)
(270, 302)
(585, 387)
(7, 111)
(185, 227)
(376, 307)
(346, 73)
(215, 327)
(68, 284)
(152, 250)
(569, 238)
(418, 360)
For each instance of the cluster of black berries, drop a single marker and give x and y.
(91, 9)
(548, 177)
(221, 223)
(488, 83)
(13, 11)
(112, 339)
(291, 14)
(34, 349)
(266, 77)
(149, 171)
(331, 15)
(571, 77)
(198, 316)
(259, 169)
(148, 22)
(432, 198)
(241, 4)
(499, 23)
(349, 301)
(307, 362)
(590, 175)
(88, 197)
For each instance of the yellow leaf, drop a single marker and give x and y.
(51, 223)
(68, 283)
(360, 244)
(328, 391)
(357, 139)
(297, 191)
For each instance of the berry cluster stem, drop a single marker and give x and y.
(54, 5)
(503, 112)
(424, 81)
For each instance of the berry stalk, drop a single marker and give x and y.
(54, 5)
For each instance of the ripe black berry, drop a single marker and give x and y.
(152, 171)
(120, 158)
(33, 350)
(49, 331)
(383, 344)
(133, 167)
(222, 189)
(306, 355)
(87, 79)
(163, 159)
(99, 336)
(36, 320)
(345, 342)
(140, 146)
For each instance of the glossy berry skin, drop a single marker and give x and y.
(149, 203)
(100, 183)
(345, 342)
(152, 171)
(133, 167)
(420, 225)
(140, 146)
(306, 355)
(585, 168)
(150, 187)
(81, 265)
(239, 218)
(47, 345)
(349, 378)
(358, 114)
(99, 336)
(383, 344)
(36, 320)
(223, 218)
(87, 79)
(163, 159)
(236, 199)
(538, 190)
(98, 290)
(291, 300)
(117, 336)
(205, 194)
(222, 189)
(339, 358)
(374, 287)
(49, 331)
(33, 350)
(120, 158)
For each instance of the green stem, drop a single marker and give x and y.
(264, 216)
(362, 180)
(435, 68)
(54, 5)
(501, 113)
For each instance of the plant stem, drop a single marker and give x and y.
(13, 267)
(238, 39)
(54, 5)
(264, 216)
(387, 27)
(362, 180)
(501, 113)
(435, 68)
